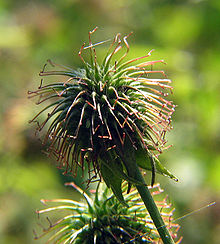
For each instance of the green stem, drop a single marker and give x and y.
(128, 158)
(151, 207)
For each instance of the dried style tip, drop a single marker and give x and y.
(104, 113)
(103, 219)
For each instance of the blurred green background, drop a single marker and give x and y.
(184, 33)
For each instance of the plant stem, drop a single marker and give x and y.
(151, 207)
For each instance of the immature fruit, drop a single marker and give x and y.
(105, 113)
(104, 220)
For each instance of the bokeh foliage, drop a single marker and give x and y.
(184, 33)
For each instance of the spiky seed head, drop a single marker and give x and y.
(106, 112)
(103, 219)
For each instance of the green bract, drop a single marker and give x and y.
(104, 220)
(107, 112)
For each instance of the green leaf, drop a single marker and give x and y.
(145, 160)
(113, 181)
(115, 165)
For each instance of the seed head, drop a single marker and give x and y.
(106, 112)
(105, 220)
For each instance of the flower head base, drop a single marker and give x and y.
(105, 113)
(104, 220)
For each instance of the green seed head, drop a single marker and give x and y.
(105, 113)
(105, 220)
